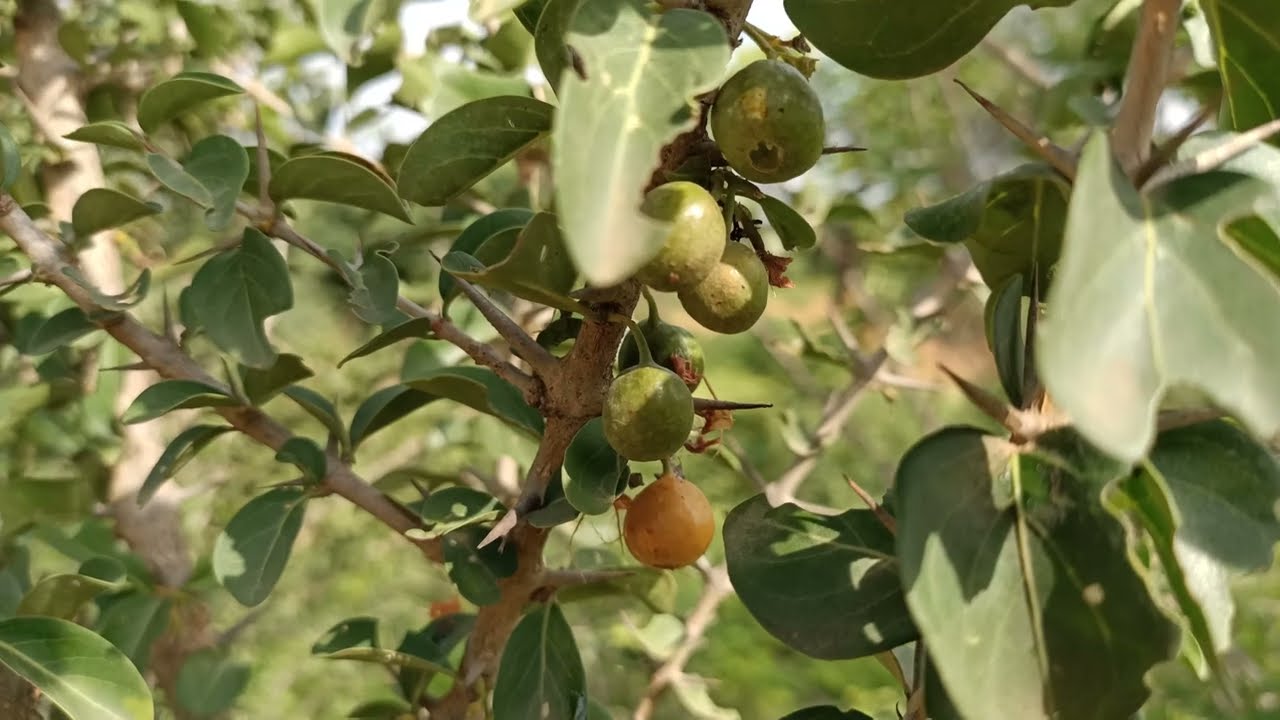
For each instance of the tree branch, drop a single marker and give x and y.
(166, 358)
(1144, 82)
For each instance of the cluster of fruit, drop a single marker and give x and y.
(767, 123)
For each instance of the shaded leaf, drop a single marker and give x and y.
(58, 331)
(556, 509)
(826, 712)
(1150, 295)
(1008, 223)
(133, 621)
(800, 574)
(169, 395)
(262, 384)
(304, 454)
(220, 164)
(475, 570)
(318, 407)
(376, 290)
(392, 658)
(383, 408)
(541, 673)
(549, 39)
(414, 328)
(178, 453)
(62, 595)
(793, 230)
(169, 99)
(465, 145)
(100, 209)
(482, 390)
(657, 589)
(381, 709)
(899, 40)
(250, 554)
(352, 632)
(108, 132)
(10, 159)
(334, 178)
(535, 267)
(173, 176)
(209, 682)
(1244, 33)
(644, 70)
(1018, 581)
(503, 223)
(236, 291)
(80, 672)
(1004, 315)
(451, 508)
(592, 469)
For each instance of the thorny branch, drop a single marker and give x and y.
(1144, 82)
(162, 355)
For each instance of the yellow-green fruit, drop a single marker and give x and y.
(732, 297)
(669, 524)
(694, 242)
(648, 413)
(767, 122)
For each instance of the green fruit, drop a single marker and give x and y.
(732, 297)
(672, 347)
(768, 122)
(694, 242)
(648, 413)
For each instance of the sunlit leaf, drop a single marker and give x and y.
(177, 95)
(169, 395)
(100, 209)
(250, 554)
(108, 132)
(334, 178)
(541, 673)
(234, 292)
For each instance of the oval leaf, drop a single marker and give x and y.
(549, 39)
(541, 673)
(482, 390)
(337, 179)
(793, 230)
(477, 570)
(260, 385)
(383, 408)
(100, 209)
(477, 234)
(318, 407)
(801, 574)
(463, 147)
(305, 455)
(133, 621)
(900, 40)
(535, 267)
(350, 633)
(236, 291)
(108, 132)
(209, 682)
(1004, 335)
(1247, 44)
(59, 331)
(251, 552)
(592, 470)
(171, 175)
(179, 94)
(62, 595)
(169, 395)
(81, 673)
(416, 328)
(643, 71)
(221, 165)
(451, 508)
(179, 452)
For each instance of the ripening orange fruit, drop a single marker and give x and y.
(669, 524)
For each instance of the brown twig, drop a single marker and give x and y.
(167, 359)
(1144, 82)
(881, 514)
(1168, 148)
(1061, 160)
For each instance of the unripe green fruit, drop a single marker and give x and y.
(672, 347)
(648, 413)
(732, 297)
(694, 242)
(767, 121)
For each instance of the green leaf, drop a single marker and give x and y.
(135, 293)
(644, 70)
(346, 25)
(179, 94)
(477, 570)
(352, 632)
(555, 509)
(657, 589)
(390, 658)
(591, 470)
(496, 224)
(132, 622)
(260, 385)
(100, 209)
(376, 290)
(793, 230)
(541, 673)
(81, 673)
(220, 164)
(452, 508)
(482, 390)
(1221, 490)
(304, 454)
(464, 146)
(251, 552)
(536, 267)
(108, 132)
(62, 595)
(826, 712)
(415, 328)
(178, 453)
(59, 331)
(381, 709)
(171, 175)
(318, 407)
(1010, 224)
(385, 407)
(235, 291)
(336, 178)
(274, 161)
(432, 643)
(1004, 335)
(896, 41)
(1019, 584)
(1244, 33)
(169, 395)
(549, 40)
(529, 12)
(10, 159)
(800, 574)
(1150, 295)
(209, 682)
(485, 10)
